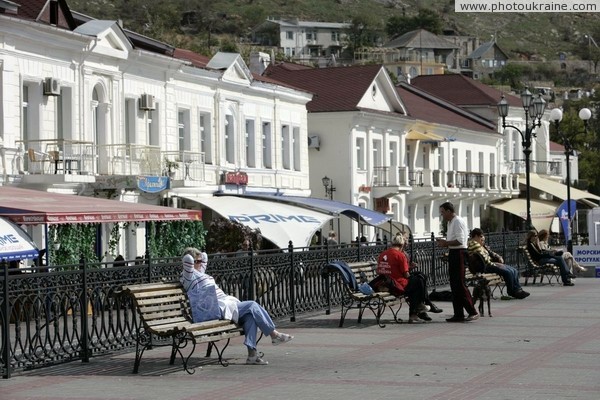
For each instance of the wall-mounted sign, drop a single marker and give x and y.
(382, 204)
(364, 189)
(152, 184)
(235, 178)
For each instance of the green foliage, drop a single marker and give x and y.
(76, 241)
(225, 236)
(168, 239)
(426, 19)
(585, 141)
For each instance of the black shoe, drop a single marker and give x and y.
(568, 283)
(424, 316)
(435, 309)
(456, 319)
(572, 276)
(521, 294)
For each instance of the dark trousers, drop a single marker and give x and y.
(415, 290)
(461, 296)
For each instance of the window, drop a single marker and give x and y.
(285, 146)
(427, 219)
(153, 124)
(289, 35)
(311, 35)
(25, 115)
(377, 154)
(130, 113)
(205, 137)
(335, 36)
(250, 144)
(393, 154)
(360, 153)
(229, 139)
(266, 145)
(183, 129)
(296, 148)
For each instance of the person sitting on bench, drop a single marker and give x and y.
(541, 257)
(249, 314)
(493, 263)
(394, 276)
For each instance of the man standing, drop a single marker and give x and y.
(457, 236)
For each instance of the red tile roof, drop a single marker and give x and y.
(196, 59)
(463, 91)
(335, 89)
(39, 10)
(556, 147)
(421, 105)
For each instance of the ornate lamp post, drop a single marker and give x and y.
(329, 189)
(534, 110)
(556, 116)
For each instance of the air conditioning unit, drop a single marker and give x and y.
(51, 87)
(313, 142)
(147, 102)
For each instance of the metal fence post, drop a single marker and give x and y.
(85, 351)
(433, 260)
(6, 324)
(252, 282)
(292, 286)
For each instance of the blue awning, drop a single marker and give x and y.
(332, 207)
(15, 243)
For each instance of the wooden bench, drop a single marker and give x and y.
(534, 269)
(353, 298)
(491, 280)
(163, 309)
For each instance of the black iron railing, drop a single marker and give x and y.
(74, 312)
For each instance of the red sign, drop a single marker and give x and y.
(382, 204)
(236, 178)
(364, 189)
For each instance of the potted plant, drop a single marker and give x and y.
(171, 167)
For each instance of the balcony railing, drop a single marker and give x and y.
(553, 168)
(56, 156)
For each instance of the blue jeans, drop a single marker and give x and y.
(561, 263)
(252, 316)
(509, 274)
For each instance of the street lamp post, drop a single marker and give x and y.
(329, 189)
(534, 110)
(556, 116)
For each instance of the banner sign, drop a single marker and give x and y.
(563, 215)
(152, 184)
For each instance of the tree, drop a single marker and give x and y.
(226, 236)
(363, 31)
(426, 19)
(585, 141)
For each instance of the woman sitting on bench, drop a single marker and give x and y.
(544, 257)
(249, 314)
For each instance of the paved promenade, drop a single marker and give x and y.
(544, 347)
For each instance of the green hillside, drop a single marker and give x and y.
(525, 36)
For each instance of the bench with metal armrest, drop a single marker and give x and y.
(350, 276)
(163, 309)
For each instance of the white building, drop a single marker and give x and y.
(398, 150)
(303, 41)
(88, 108)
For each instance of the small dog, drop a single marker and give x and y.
(482, 292)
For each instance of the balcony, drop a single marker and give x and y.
(552, 168)
(57, 161)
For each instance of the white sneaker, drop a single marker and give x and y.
(422, 308)
(282, 338)
(256, 360)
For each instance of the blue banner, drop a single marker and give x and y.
(563, 215)
(152, 184)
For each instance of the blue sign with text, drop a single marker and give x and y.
(152, 184)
